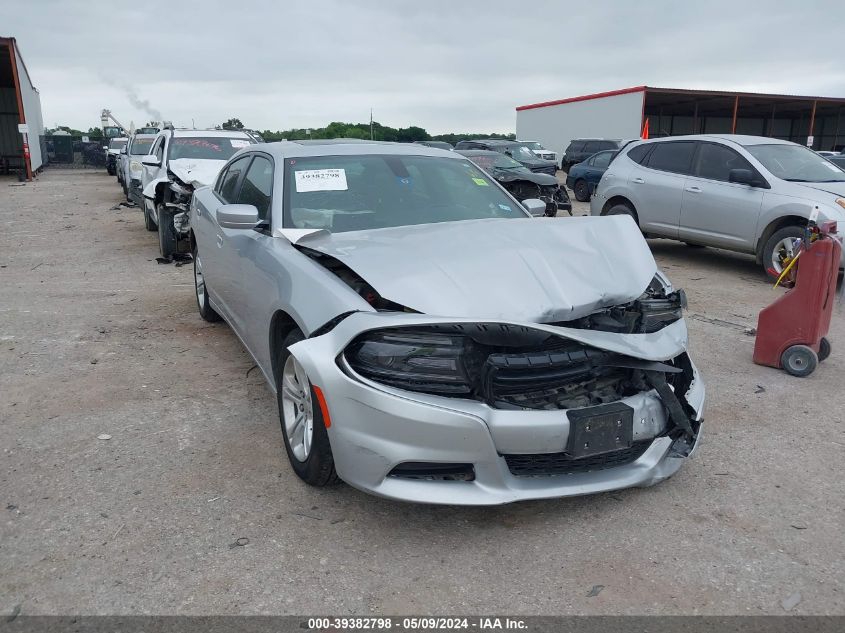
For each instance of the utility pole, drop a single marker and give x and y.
(371, 124)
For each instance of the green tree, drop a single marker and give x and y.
(233, 124)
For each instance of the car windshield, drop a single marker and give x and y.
(352, 193)
(796, 163)
(521, 152)
(211, 148)
(117, 144)
(141, 146)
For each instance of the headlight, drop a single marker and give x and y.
(420, 361)
(841, 202)
(135, 165)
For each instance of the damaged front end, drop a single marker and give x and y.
(178, 203)
(553, 195)
(515, 411)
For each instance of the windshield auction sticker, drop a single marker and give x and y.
(239, 142)
(320, 180)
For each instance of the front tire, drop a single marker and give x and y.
(148, 220)
(167, 242)
(582, 191)
(301, 417)
(781, 247)
(206, 311)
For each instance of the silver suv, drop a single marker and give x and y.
(750, 194)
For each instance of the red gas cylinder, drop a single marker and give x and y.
(791, 333)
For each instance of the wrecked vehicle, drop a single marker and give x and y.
(113, 150)
(178, 162)
(130, 164)
(516, 150)
(428, 340)
(520, 181)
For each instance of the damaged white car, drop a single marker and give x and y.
(179, 162)
(429, 340)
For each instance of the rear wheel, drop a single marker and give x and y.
(799, 360)
(622, 208)
(781, 248)
(301, 416)
(582, 191)
(167, 242)
(824, 349)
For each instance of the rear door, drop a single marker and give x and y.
(716, 212)
(658, 186)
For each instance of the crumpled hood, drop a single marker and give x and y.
(511, 175)
(539, 270)
(196, 172)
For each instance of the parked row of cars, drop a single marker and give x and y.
(426, 337)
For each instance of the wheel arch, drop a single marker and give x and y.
(776, 225)
(281, 324)
(613, 200)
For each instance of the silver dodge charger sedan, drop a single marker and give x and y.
(429, 340)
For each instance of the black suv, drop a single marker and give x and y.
(516, 150)
(580, 149)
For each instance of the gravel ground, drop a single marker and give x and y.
(191, 508)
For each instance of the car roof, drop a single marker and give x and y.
(143, 136)
(619, 140)
(479, 152)
(347, 147)
(208, 133)
(739, 139)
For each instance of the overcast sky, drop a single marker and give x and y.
(460, 66)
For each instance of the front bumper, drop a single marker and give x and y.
(375, 428)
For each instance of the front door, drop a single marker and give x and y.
(716, 212)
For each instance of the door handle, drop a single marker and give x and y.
(219, 241)
(694, 189)
(639, 181)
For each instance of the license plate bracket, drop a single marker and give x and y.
(602, 429)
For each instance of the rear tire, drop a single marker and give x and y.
(824, 349)
(799, 360)
(312, 461)
(777, 248)
(167, 242)
(582, 191)
(622, 208)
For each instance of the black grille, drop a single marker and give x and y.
(563, 464)
(568, 377)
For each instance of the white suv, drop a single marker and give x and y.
(750, 194)
(179, 162)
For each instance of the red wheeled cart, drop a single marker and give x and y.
(791, 332)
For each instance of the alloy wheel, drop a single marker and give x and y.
(297, 408)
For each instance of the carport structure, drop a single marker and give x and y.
(814, 121)
(621, 114)
(21, 125)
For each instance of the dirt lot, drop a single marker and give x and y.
(98, 338)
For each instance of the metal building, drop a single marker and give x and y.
(622, 114)
(22, 147)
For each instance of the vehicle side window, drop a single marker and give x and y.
(639, 153)
(576, 146)
(159, 149)
(591, 147)
(229, 183)
(602, 160)
(715, 162)
(257, 189)
(675, 156)
(602, 145)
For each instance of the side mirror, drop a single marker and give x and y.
(237, 216)
(535, 207)
(150, 160)
(741, 176)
